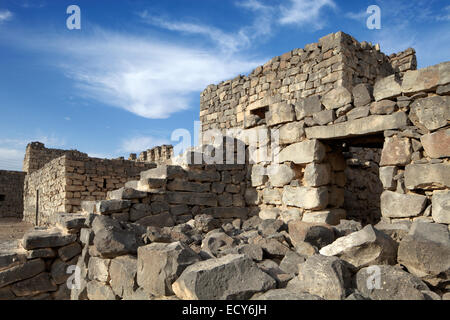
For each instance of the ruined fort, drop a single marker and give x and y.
(319, 168)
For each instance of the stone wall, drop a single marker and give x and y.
(159, 154)
(37, 155)
(66, 181)
(11, 194)
(337, 60)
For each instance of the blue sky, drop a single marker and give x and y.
(134, 72)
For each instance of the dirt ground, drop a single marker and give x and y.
(13, 229)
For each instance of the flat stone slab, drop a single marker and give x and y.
(371, 124)
(46, 239)
(427, 176)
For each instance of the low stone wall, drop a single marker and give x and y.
(159, 154)
(11, 194)
(66, 181)
(39, 266)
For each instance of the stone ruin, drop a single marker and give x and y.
(349, 176)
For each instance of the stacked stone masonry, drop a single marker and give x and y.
(273, 225)
(159, 154)
(11, 194)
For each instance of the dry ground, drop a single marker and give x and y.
(13, 229)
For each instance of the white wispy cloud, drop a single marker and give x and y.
(445, 16)
(305, 12)
(5, 15)
(149, 77)
(138, 144)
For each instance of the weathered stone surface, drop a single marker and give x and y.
(192, 198)
(126, 194)
(363, 248)
(387, 88)
(112, 206)
(291, 132)
(396, 151)
(387, 175)
(6, 294)
(214, 241)
(324, 117)
(161, 220)
(426, 79)
(382, 107)
(393, 284)
(308, 107)
(362, 94)
(182, 185)
(206, 223)
(331, 217)
(358, 113)
(269, 213)
(68, 252)
(21, 272)
(139, 211)
(437, 144)
(306, 197)
(285, 294)
(38, 284)
(99, 291)
(10, 255)
(113, 242)
(59, 270)
(258, 175)
(441, 206)
(427, 176)
(265, 102)
(69, 221)
(160, 264)
(337, 98)
(280, 113)
(396, 230)
(272, 196)
(271, 246)
(98, 269)
(280, 174)
(371, 124)
(326, 277)
(123, 272)
(227, 212)
(397, 205)
(291, 261)
(46, 239)
(346, 227)
(432, 112)
(316, 234)
(252, 251)
(317, 175)
(303, 152)
(425, 251)
(41, 253)
(234, 277)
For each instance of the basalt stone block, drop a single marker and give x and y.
(20, 272)
(280, 113)
(46, 239)
(160, 264)
(437, 144)
(337, 98)
(123, 272)
(363, 248)
(38, 284)
(387, 175)
(291, 132)
(227, 212)
(160, 220)
(303, 152)
(317, 175)
(387, 88)
(126, 194)
(324, 117)
(396, 151)
(316, 234)
(427, 176)
(426, 79)
(234, 277)
(99, 291)
(358, 113)
(397, 205)
(112, 206)
(432, 112)
(383, 107)
(368, 125)
(392, 283)
(331, 217)
(307, 107)
(362, 94)
(68, 252)
(192, 198)
(280, 174)
(441, 206)
(164, 172)
(305, 197)
(326, 277)
(425, 252)
(181, 185)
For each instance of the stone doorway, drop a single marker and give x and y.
(363, 187)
